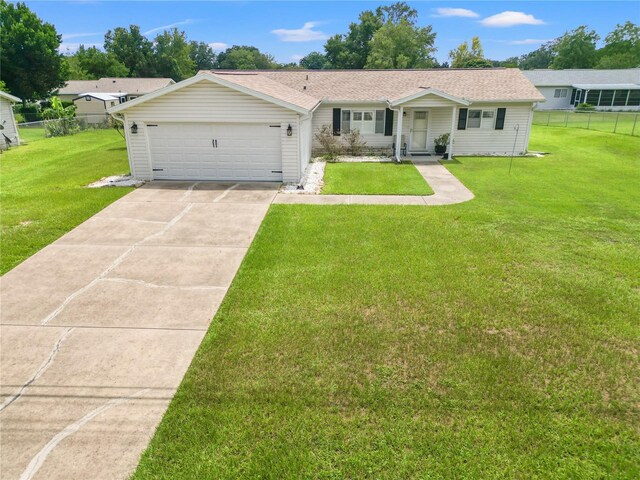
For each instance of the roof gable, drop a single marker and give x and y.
(264, 89)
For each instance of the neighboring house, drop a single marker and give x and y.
(604, 89)
(8, 128)
(261, 125)
(131, 87)
(92, 107)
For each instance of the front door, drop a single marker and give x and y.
(419, 131)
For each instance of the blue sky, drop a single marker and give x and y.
(289, 30)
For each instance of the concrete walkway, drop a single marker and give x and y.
(446, 187)
(98, 329)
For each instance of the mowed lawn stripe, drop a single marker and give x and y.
(369, 178)
(492, 339)
(43, 192)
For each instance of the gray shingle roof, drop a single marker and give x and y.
(479, 85)
(563, 78)
(132, 86)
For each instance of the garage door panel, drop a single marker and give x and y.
(243, 152)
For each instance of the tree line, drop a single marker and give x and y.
(387, 37)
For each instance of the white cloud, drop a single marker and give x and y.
(188, 21)
(455, 12)
(69, 36)
(530, 41)
(297, 57)
(509, 19)
(218, 46)
(304, 34)
(72, 47)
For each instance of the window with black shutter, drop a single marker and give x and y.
(336, 122)
(462, 119)
(388, 122)
(500, 118)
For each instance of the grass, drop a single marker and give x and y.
(31, 134)
(626, 123)
(43, 194)
(497, 338)
(374, 179)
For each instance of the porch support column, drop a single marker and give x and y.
(453, 129)
(399, 133)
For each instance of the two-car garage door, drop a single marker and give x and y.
(215, 151)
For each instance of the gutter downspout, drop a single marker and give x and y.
(396, 153)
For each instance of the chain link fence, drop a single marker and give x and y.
(626, 123)
(59, 127)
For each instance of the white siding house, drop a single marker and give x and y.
(262, 125)
(617, 90)
(8, 131)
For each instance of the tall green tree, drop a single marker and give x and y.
(402, 45)
(173, 55)
(469, 57)
(92, 63)
(242, 57)
(132, 49)
(202, 55)
(315, 61)
(622, 47)
(576, 49)
(539, 58)
(351, 50)
(31, 65)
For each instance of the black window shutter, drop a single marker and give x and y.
(388, 123)
(500, 118)
(573, 96)
(462, 119)
(336, 122)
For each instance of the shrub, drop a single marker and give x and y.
(585, 107)
(329, 143)
(31, 112)
(354, 142)
(442, 140)
(60, 120)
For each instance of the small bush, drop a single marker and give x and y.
(31, 112)
(585, 107)
(354, 142)
(330, 144)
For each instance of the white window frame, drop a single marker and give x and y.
(361, 124)
(87, 99)
(488, 122)
(560, 93)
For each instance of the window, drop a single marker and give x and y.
(620, 98)
(113, 103)
(592, 97)
(346, 121)
(634, 98)
(88, 99)
(380, 121)
(560, 93)
(474, 119)
(606, 98)
(363, 122)
(487, 118)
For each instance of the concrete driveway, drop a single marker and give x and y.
(98, 328)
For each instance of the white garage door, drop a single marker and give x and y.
(215, 151)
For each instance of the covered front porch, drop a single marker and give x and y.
(420, 118)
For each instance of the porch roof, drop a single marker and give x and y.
(422, 92)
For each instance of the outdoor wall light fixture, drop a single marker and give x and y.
(289, 131)
(134, 128)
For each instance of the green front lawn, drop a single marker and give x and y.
(43, 194)
(497, 338)
(374, 179)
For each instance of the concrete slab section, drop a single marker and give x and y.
(110, 231)
(117, 302)
(38, 286)
(142, 211)
(94, 369)
(160, 191)
(214, 224)
(181, 266)
(251, 193)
